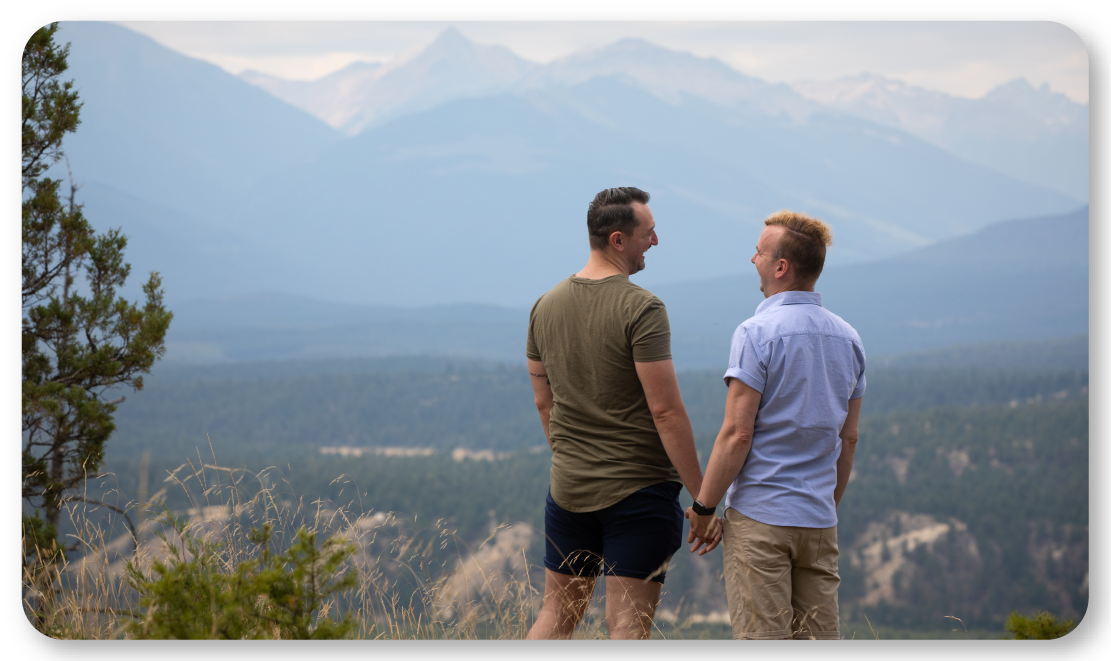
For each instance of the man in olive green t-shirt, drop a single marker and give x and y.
(599, 356)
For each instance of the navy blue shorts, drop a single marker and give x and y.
(635, 537)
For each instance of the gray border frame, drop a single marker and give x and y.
(1086, 642)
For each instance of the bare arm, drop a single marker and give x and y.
(728, 457)
(661, 389)
(849, 432)
(732, 444)
(542, 394)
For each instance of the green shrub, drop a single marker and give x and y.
(199, 593)
(1039, 626)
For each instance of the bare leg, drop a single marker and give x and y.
(565, 600)
(630, 607)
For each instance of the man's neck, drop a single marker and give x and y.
(600, 265)
(792, 286)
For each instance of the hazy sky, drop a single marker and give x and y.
(960, 58)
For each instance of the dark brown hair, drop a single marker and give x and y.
(612, 211)
(803, 243)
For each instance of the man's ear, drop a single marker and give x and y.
(782, 268)
(617, 241)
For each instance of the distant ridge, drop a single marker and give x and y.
(1033, 134)
(1053, 353)
(983, 306)
(671, 76)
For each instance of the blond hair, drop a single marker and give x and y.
(803, 244)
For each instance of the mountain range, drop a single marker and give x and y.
(1033, 134)
(364, 95)
(473, 192)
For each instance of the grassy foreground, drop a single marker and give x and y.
(415, 580)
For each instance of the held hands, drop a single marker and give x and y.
(706, 529)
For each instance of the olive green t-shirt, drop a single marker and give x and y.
(589, 334)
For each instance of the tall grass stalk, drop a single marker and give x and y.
(413, 582)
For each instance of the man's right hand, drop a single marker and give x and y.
(661, 390)
(706, 529)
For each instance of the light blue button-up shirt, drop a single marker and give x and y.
(807, 363)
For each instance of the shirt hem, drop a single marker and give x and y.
(768, 521)
(592, 508)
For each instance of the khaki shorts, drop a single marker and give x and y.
(781, 581)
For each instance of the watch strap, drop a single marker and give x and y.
(702, 510)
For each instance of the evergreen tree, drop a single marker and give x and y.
(81, 342)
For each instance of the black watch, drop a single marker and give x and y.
(702, 510)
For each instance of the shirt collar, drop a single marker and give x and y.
(791, 298)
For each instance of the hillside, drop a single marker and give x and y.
(993, 502)
(166, 145)
(172, 130)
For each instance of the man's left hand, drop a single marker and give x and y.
(706, 530)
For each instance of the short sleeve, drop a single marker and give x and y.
(745, 361)
(861, 383)
(532, 351)
(651, 334)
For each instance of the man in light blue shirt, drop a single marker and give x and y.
(784, 454)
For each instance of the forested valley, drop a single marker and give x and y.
(969, 496)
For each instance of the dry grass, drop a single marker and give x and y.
(415, 581)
